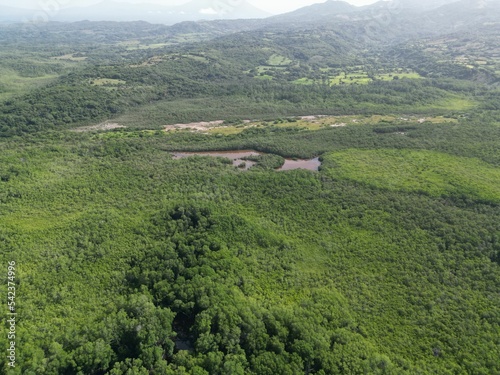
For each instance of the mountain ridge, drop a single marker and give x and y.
(108, 10)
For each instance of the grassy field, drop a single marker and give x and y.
(362, 78)
(71, 57)
(359, 77)
(391, 76)
(456, 103)
(278, 60)
(433, 173)
(23, 72)
(11, 83)
(275, 63)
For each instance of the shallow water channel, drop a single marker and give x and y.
(236, 157)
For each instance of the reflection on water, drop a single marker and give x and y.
(312, 164)
(236, 157)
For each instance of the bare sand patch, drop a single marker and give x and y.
(197, 126)
(102, 126)
(313, 117)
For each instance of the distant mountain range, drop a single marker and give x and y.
(396, 19)
(332, 10)
(109, 10)
(11, 15)
(424, 14)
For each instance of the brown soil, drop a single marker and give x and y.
(102, 126)
(197, 126)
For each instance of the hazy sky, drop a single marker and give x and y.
(276, 6)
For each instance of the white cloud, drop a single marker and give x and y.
(208, 11)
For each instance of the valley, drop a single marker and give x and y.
(296, 194)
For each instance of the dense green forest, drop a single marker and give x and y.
(126, 260)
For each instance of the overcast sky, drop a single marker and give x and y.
(282, 6)
(272, 6)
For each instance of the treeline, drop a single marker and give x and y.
(31, 69)
(56, 107)
(76, 101)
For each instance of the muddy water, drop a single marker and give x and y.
(236, 157)
(312, 164)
